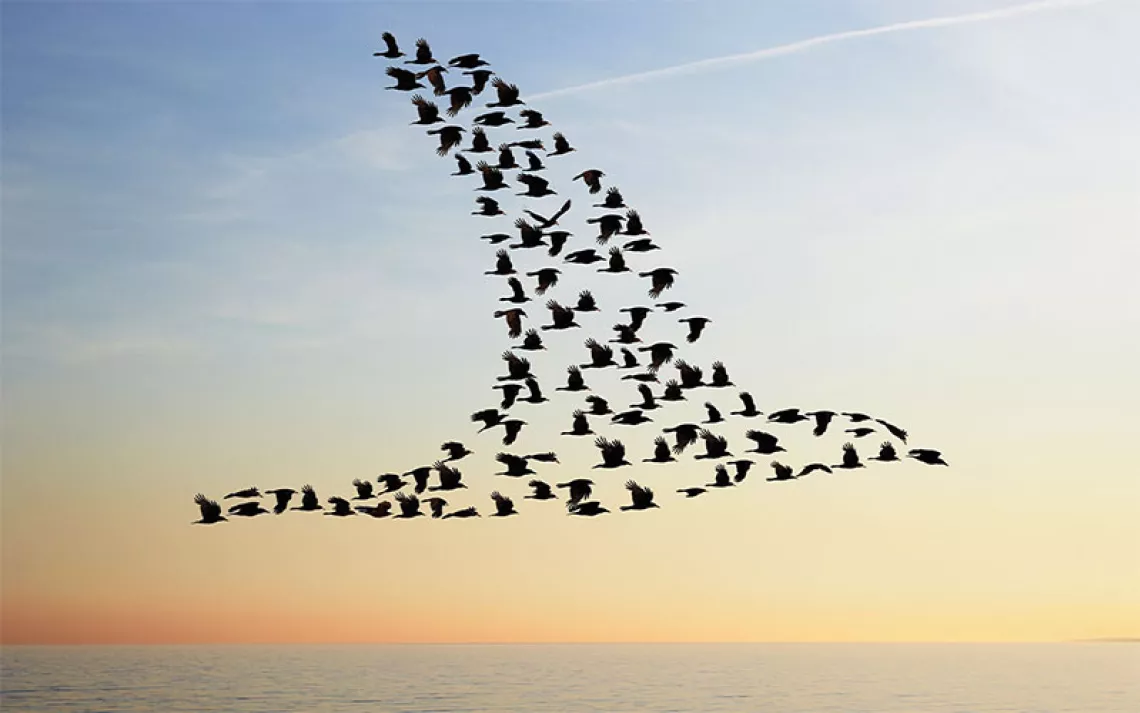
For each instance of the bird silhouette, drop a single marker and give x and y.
(363, 489)
(813, 467)
(420, 476)
(691, 492)
(405, 79)
(721, 479)
(557, 241)
(544, 222)
(283, 496)
(715, 446)
(510, 394)
(561, 317)
(450, 478)
(508, 94)
(436, 504)
(886, 453)
(591, 508)
(561, 146)
(633, 224)
(641, 245)
(601, 355)
(660, 354)
(742, 467)
(662, 279)
(783, 472)
(464, 166)
(464, 513)
(850, 458)
(423, 53)
(492, 177)
(613, 453)
(479, 78)
(788, 415)
(648, 400)
(490, 418)
(766, 443)
(533, 162)
(856, 417)
(504, 506)
(409, 506)
(671, 306)
(455, 450)
(518, 368)
(493, 118)
(514, 321)
(392, 50)
(541, 491)
(583, 257)
(341, 507)
(609, 225)
(534, 119)
(894, 430)
(449, 138)
(479, 141)
(581, 425)
(536, 186)
(512, 428)
(392, 482)
(612, 200)
(631, 418)
(637, 316)
(696, 327)
(684, 435)
(714, 414)
(459, 98)
(641, 497)
(466, 61)
(927, 456)
(598, 406)
(309, 499)
(720, 378)
(691, 376)
(534, 392)
(749, 410)
(822, 421)
(580, 489)
(435, 79)
(616, 262)
(586, 302)
(247, 493)
(574, 380)
(488, 206)
(591, 177)
(248, 509)
(518, 294)
(428, 111)
(860, 432)
(380, 509)
(661, 452)
(547, 278)
(673, 391)
(625, 334)
(503, 264)
(628, 359)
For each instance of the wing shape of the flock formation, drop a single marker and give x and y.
(626, 247)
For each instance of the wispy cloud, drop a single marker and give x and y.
(812, 42)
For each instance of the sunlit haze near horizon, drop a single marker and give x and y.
(229, 261)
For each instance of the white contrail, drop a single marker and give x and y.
(804, 45)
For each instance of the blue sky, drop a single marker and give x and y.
(228, 258)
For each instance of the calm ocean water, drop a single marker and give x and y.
(773, 678)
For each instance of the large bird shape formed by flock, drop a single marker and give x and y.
(644, 364)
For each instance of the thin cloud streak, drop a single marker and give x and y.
(804, 45)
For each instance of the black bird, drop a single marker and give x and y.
(536, 186)
(514, 321)
(633, 224)
(544, 222)
(581, 425)
(363, 489)
(534, 119)
(860, 432)
(427, 110)
(822, 421)
(691, 376)
(392, 51)
(661, 452)
(488, 206)
(479, 141)
(459, 98)
(341, 507)
(247, 493)
(466, 61)
(449, 478)
(392, 483)
(629, 359)
(598, 406)
(490, 418)
(534, 392)
(691, 492)
(435, 78)
(720, 376)
(283, 496)
(580, 489)
(601, 355)
(437, 505)
(309, 499)
(248, 509)
(513, 427)
(574, 380)
(613, 453)
(586, 302)
(721, 480)
(504, 506)
(503, 264)
(532, 144)
(637, 316)
(696, 326)
(584, 257)
(587, 509)
(685, 434)
(927, 456)
(493, 118)
(626, 334)
(380, 509)
(592, 178)
(547, 457)
(479, 79)
(562, 317)
(788, 415)
(783, 472)
(630, 418)
(661, 354)
(455, 450)
(641, 496)
(894, 430)
(715, 446)
(617, 262)
(421, 476)
(766, 443)
(518, 294)
(713, 412)
(609, 225)
(673, 391)
(886, 453)
(850, 458)
(856, 417)
(510, 393)
(662, 279)
(612, 200)
(542, 491)
(648, 401)
(641, 245)
(533, 162)
(464, 513)
(529, 236)
(561, 146)
(742, 466)
(405, 79)
(532, 341)
(508, 93)
(409, 506)
(749, 409)
(557, 241)
(449, 138)
(547, 278)
(648, 377)
(423, 53)
(811, 468)
(465, 167)
(671, 306)
(493, 179)
(518, 368)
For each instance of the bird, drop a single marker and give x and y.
(766, 443)
(609, 225)
(811, 468)
(547, 457)
(532, 341)
(435, 79)
(856, 417)
(662, 279)
(580, 489)
(581, 425)
(479, 141)
(512, 427)
(449, 138)
(713, 413)
(586, 302)
(544, 222)
(721, 479)
(508, 94)
(629, 359)
(685, 435)
(561, 146)
(529, 236)
(423, 53)
(427, 110)
(631, 418)
(822, 421)
(341, 507)
(518, 294)
(788, 415)
(641, 496)
(405, 79)
(696, 326)
(633, 224)
(850, 458)
(488, 206)
(459, 98)
(455, 450)
(531, 144)
(363, 489)
(493, 118)
(380, 509)
(464, 513)
(598, 406)
(612, 200)
(641, 245)
(561, 317)
(587, 509)
(490, 418)
(613, 453)
(479, 79)
(661, 452)
(574, 380)
(557, 241)
(246, 493)
(583, 257)
(533, 162)
(860, 432)
(715, 446)
(210, 510)
(518, 368)
(541, 491)
(547, 278)
(283, 496)
(492, 177)
(646, 377)
(660, 353)
(648, 401)
(309, 499)
(742, 466)
(409, 506)
(392, 51)
(510, 394)
(437, 504)
(392, 482)
(720, 376)
(601, 355)
(927, 456)
(691, 492)
(886, 453)
(616, 262)
(749, 409)
(783, 472)
(534, 392)
(637, 316)
(673, 391)
(894, 430)
(534, 119)
(536, 186)
(625, 334)
(466, 61)
(592, 178)
(514, 321)
(671, 306)
(420, 477)
(449, 478)
(464, 166)
(691, 376)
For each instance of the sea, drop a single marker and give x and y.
(766, 678)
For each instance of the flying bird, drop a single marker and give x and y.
(561, 317)
(613, 453)
(547, 278)
(581, 425)
(508, 94)
(661, 452)
(409, 506)
(927, 456)
(561, 146)
(540, 491)
(580, 489)
(341, 507)
(210, 510)
(427, 110)
(449, 138)
(749, 410)
(467, 61)
(455, 450)
(405, 79)
(363, 489)
(283, 496)
(601, 355)
(850, 458)
(714, 413)
(514, 321)
(544, 222)
(247, 493)
(715, 446)
(616, 262)
(479, 79)
(592, 178)
(642, 497)
(423, 53)
(766, 443)
(662, 279)
(783, 472)
(574, 380)
(696, 327)
(309, 499)
(886, 453)
(392, 50)
(534, 119)
(488, 206)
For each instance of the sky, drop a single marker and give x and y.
(228, 261)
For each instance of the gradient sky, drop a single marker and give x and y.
(229, 261)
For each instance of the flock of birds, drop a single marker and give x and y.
(642, 363)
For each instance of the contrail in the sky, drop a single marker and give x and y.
(804, 45)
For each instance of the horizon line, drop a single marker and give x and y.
(803, 45)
